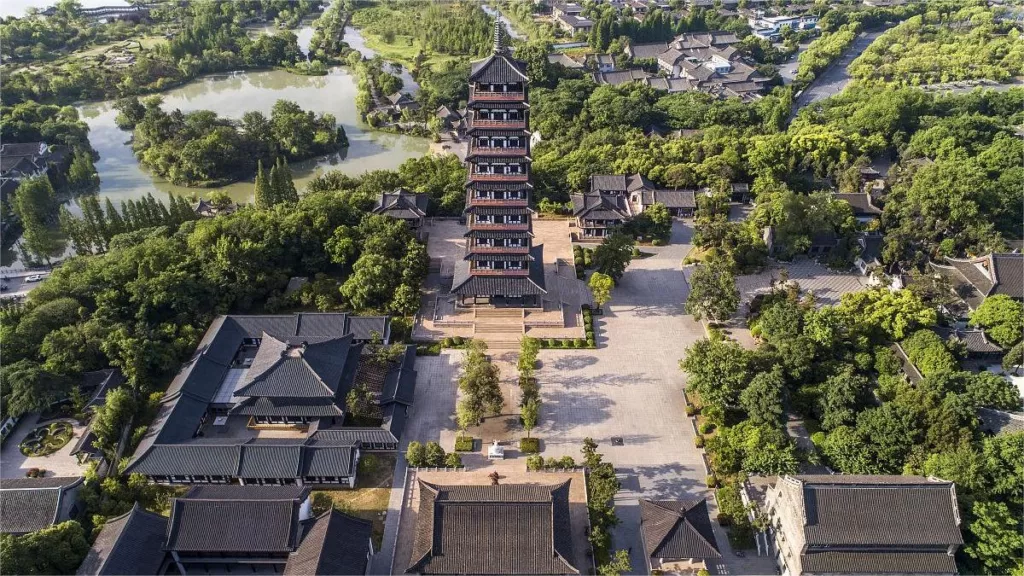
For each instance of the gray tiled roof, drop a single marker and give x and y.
(670, 198)
(498, 68)
(351, 436)
(195, 459)
(269, 462)
(504, 529)
(402, 204)
(1009, 273)
(646, 51)
(677, 529)
(896, 511)
(861, 204)
(309, 407)
(328, 461)
(129, 544)
(236, 492)
(30, 504)
(608, 183)
(226, 526)
(395, 417)
(400, 382)
(311, 368)
(845, 562)
(600, 206)
(333, 543)
(498, 211)
(1000, 422)
(974, 340)
(512, 286)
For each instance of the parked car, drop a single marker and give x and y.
(34, 278)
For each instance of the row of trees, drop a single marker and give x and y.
(200, 147)
(464, 29)
(93, 231)
(480, 387)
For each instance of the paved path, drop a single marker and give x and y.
(826, 285)
(837, 76)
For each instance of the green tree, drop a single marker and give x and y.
(34, 202)
(895, 314)
(112, 418)
(844, 449)
(717, 370)
(529, 348)
(434, 455)
(661, 221)
(844, 394)
(284, 187)
(713, 293)
(529, 413)
(359, 401)
(1014, 358)
(26, 387)
(763, 400)
(888, 433)
(601, 288)
(997, 538)
(58, 549)
(614, 254)
(1002, 318)
(415, 454)
(265, 195)
(82, 172)
(619, 564)
(480, 380)
(993, 391)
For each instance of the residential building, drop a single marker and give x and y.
(500, 266)
(615, 198)
(31, 504)
(708, 62)
(564, 60)
(500, 529)
(26, 160)
(645, 51)
(849, 524)
(621, 77)
(451, 119)
(224, 529)
(566, 9)
(864, 208)
(601, 62)
(401, 101)
(771, 27)
(973, 340)
(403, 205)
(262, 401)
(677, 535)
(574, 24)
(974, 279)
(206, 209)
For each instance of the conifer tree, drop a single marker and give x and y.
(287, 191)
(115, 222)
(264, 189)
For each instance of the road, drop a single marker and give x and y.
(837, 76)
(16, 285)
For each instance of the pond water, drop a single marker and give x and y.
(354, 38)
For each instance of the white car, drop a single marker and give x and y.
(34, 278)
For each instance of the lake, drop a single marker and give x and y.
(231, 95)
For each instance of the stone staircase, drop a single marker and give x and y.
(499, 328)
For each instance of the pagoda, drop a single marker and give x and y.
(500, 267)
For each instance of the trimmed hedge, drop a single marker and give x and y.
(464, 443)
(529, 445)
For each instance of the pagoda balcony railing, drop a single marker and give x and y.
(475, 94)
(502, 124)
(522, 177)
(518, 202)
(499, 249)
(503, 226)
(504, 272)
(496, 151)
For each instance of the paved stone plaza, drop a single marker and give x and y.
(629, 387)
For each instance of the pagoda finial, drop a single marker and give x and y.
(499, 44)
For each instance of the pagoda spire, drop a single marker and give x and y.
(499, 35)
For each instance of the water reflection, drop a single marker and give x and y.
(231, 95)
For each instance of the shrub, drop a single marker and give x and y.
(550, 342)
(433, 349)
(463, 443)
(529, 445)
(434, 454)
(590, 342)
(566, 343)
(818, 438)
(551, 462)
(698, 441)
(712, 481)
(448, 342)
(864, 361)
(534, 462)
(458, 341)
(579, 343)
(578, 261)
(567, 462)
(415, 454)
(453, 460)
(690, 410)
(658, 242)
(705, 427)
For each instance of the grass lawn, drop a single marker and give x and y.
(403, 50)
(370, 498)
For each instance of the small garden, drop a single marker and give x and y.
(431, 455)
(46, 440)
(369, 499)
